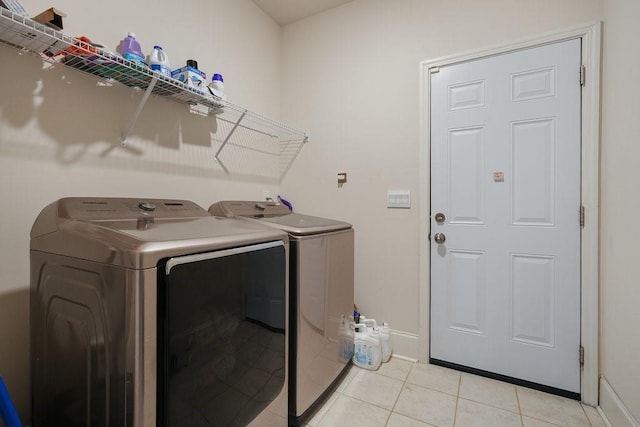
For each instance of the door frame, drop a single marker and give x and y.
(590, 34)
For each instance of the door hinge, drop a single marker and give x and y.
(582, 216)
(581, 356)
(583, 75)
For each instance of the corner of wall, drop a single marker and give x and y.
(613, 409)
(405, 345)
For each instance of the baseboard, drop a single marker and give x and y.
(405, 345)
(612, 408)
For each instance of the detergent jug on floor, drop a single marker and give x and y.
(345, 339)
(385, 341)
(367, 352)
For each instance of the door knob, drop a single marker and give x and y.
(440, 217)
(439, 237)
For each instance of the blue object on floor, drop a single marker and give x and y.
(8, 412)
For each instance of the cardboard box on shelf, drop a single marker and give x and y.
(192, 77)
(51, 17)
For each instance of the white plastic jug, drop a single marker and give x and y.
(345, 339)
(130, 49)
(367, 352)
(158, 61)
(385, 341)
(371, 323)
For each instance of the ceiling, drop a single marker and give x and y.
(287, 11)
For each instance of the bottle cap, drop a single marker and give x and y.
(130, 34)
(217, 77)
(157, 47)
(192, 63)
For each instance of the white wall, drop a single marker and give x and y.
(60, 130)
(620, 270)
(351, 77)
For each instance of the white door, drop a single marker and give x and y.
(505, 165)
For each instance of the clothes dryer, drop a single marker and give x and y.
(154, 313)
(321, 292)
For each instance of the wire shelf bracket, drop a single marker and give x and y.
(136, 114)
(233, 129)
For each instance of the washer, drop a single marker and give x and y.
(154, 313)
(321, 267)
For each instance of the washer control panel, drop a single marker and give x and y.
(147, 206)
(256, 209)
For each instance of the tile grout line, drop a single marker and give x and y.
(585, 413)
(371, 403)
(404, 382)
(455, 410)
(492, 405)
(324, 408)
(489, 405)
(536, 416)
(519, 408)
(403, 385)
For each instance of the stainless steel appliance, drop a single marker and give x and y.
(154, 313)
(321, 292)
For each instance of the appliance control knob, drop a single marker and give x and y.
(147, 206)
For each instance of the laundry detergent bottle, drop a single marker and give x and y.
(130, 49)
(385, 341)
(371, 323)
(367, 352)
(345, 340)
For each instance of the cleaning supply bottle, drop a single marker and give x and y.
(158, 61)
(216, 87)
(385, 341)
(356, 314)
(367, 353)
(130, 49)
(345, 340)
(371, 323)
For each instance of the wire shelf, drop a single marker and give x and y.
(56, 47)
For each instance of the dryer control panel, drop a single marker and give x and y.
(107, 208)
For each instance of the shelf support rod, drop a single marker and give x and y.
(136, 114)
(286, 169)
(233, 129)
(270, 135)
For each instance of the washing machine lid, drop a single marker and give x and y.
(277, 216)
(137, 233)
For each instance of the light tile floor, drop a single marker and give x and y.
(406, 394)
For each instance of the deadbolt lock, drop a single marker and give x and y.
(440, 217)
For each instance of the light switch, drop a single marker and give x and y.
(399, 199)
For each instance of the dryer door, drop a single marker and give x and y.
(221, 337)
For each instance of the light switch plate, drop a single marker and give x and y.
(399, 199)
